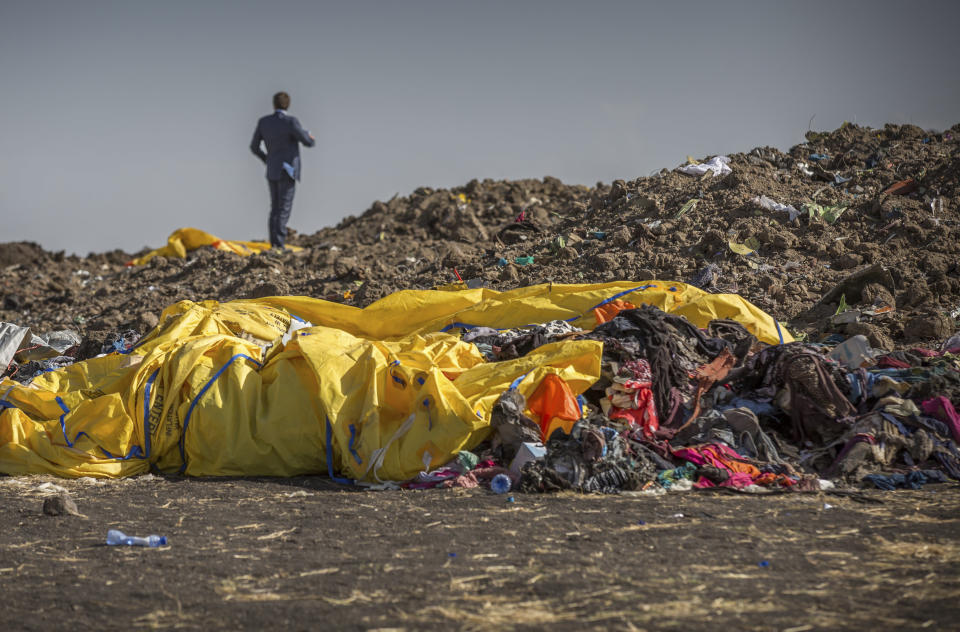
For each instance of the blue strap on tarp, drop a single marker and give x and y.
(146, 410)
(622, 294)
(426, 404)
(779, 333)
(514, 384)
(353, 451)
(335, 479)
(193, 404)
(459, 325)
(135, 452)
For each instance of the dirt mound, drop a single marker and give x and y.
(23, 253)
(863, 199)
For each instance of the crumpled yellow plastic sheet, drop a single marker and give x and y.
(374, 394)
(183, 240)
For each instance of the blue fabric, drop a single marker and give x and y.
(329, 446)
(855, 391)
(758, 408)
(910, 480)
(281, 205)
(896, 422)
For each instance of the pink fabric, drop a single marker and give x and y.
(927, 353)
(714, 454)
(737, 479)
(708, 455)
(485, 471)
(942, 409)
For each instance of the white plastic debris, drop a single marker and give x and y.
(10, 338)
(771, 205)
(527, 452)
(295, 325)
(718, 165)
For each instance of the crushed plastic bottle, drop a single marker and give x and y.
(501, 484)
(115, 538)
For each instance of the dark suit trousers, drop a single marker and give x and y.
(281, 203)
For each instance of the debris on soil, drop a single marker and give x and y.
(852, 238)
(641, 229)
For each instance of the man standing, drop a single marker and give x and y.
(282, 135)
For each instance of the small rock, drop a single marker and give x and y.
(12, 302)
(876, 294)
(267, 289)
(767, 281)
(785, 240)
(874, 334)
(344, 266)
(621, 237)
(848, 260)
(60, 505)
(149, 320)
(510, 273)
(455, 256)
(927, 327)
(567, 254)
(607, 261)
(618, 189)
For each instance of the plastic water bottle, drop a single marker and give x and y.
(115, 538)
(501, 484)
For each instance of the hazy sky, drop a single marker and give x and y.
(121, 122)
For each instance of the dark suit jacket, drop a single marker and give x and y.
(282, 135)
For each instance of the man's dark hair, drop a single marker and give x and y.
(281, 101)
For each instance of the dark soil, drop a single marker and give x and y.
(299, 554)
(625, 230)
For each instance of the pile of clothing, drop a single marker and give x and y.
(680, 408)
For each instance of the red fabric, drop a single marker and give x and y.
(886, 362)
(644, 412)
(644, 416)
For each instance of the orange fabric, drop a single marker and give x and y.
(707, 375)
(553, 402)
(605, 313)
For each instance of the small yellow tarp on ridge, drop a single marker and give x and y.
(184, 240)
(372, 394)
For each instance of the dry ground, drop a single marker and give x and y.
(304, 554)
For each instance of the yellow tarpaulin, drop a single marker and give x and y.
(186, 239)
(372, 394)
